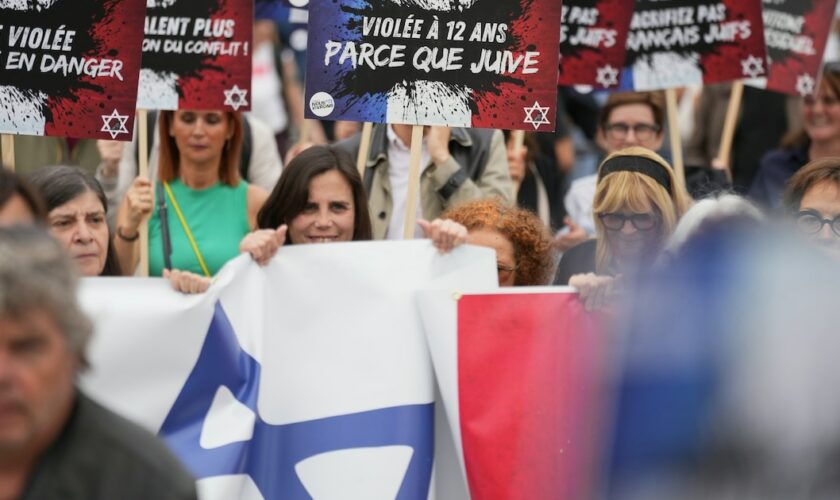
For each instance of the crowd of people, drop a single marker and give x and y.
(205, 202)
(217, 188)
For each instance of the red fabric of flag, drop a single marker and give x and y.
(527, 375)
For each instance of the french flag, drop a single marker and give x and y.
(518, 375)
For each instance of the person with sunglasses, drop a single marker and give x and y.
(812, 200)
(637, 205)
(627, 119)
(818, 138)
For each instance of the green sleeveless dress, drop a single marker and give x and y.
(218, 219)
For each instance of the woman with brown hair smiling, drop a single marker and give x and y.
(320, 198)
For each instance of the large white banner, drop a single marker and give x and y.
(309, 378)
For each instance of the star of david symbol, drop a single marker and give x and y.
(752, 67)
(272, 452)
(543, 115)
(805, 84)
(236, 97)
(114, 124)
(607, 76)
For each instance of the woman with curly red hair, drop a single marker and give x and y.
(524, 252)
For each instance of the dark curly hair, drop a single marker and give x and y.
(532, 245)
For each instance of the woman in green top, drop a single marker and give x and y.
(208, 207)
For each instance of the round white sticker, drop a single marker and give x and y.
(297, 40)
(322, 104)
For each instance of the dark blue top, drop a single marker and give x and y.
(776, 168)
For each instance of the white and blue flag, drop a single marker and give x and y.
(309, 378)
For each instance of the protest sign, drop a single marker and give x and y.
(796, 32)
(69, 68)
(593, 41)
(197, 55)
(484, 63)
(674, 43)
(518, 372)
(308, 378)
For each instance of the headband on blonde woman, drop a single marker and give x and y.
(638, 164)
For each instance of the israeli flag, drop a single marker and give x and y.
(309, 378)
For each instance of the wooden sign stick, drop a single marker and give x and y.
(730, 123)
(518, 137)
(413, 181)
(676, 140)
(143, 144)
(304, 132)
(364, 149)
(8, 146)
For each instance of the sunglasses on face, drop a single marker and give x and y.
(615, 221)
(812, 222)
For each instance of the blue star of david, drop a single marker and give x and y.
(270, 457)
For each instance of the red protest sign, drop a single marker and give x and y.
(70, 68)
(674, 43)
(593, 38)
(796, 33)
(197, 55)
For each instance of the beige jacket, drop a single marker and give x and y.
(477, 168)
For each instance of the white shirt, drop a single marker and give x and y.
(267, 90)
(579, 200)
(399, 156)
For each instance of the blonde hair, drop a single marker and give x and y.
(636, 191)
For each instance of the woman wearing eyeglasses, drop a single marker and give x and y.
(819, 138)
(812, 199)
(627, 119)
(524, 250)
(637, 205)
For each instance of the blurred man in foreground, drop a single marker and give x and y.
(54, 441)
